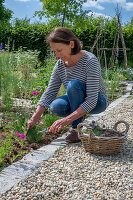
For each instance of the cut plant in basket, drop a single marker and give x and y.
(103, 131)
(97, 130)
(108, 141)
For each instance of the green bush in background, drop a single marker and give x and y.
(21, 33)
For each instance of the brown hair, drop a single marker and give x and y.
(64, 35)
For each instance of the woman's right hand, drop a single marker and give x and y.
(31, 123)
(36, 116)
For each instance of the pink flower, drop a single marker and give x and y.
(38, 121)
(17, 133)
(35, 93)
(22, 136)
(0, 103)
(27, 93)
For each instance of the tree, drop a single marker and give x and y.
(64, 10)
(5, 14)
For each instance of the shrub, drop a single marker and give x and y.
(128, 73)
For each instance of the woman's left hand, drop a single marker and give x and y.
(58, 125)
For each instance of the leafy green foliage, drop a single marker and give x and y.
(128, 73)
(5, 14)
(26, 35)
(113, 82)
(7, 148)
(20, 122)
(21, 33)
(33, 134)
(128, 36)
(44, 73)
(65, 10)
(17, 74)
(95, 130)
(6, 78)
(49, 119)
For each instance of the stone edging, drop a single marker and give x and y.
(14, 173)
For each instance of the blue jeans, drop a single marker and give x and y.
(68, 103)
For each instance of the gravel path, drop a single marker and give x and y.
(73, 174)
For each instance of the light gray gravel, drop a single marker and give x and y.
(73, 174)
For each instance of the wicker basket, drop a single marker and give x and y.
(108, 144)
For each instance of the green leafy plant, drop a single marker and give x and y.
(49, 119)
(7, 147)
(43, 73)
(113, 82)
(34, 134)
(20, 121)
(19, 154)
(17, 74)
(95, 130)
(6, 79)
(127, 73)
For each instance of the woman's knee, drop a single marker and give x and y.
(59, 107)
(55, 107)
(52, 109)
(75, 84)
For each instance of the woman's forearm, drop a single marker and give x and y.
(75, 115)
(39, 111)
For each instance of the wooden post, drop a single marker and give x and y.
(96, 40)
(122, 38)
(111, 64)
(101, 53)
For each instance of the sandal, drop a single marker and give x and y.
(72, 137)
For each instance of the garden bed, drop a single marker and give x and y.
(14, 140)
(18, 151)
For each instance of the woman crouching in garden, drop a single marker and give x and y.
(80, 73)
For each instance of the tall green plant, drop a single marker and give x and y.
(114, 79)
(6, 79)
(44, 73)
(24, 68)
(18, 75)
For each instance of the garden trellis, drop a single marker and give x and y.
(115, 49)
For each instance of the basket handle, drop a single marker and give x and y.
(88, 128)
(119, 122)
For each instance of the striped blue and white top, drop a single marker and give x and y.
(86, 70)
